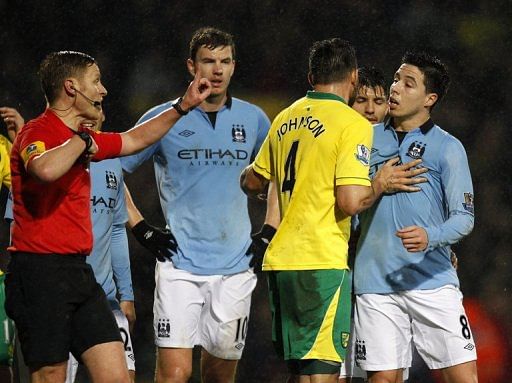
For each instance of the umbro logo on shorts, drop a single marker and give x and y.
(239, 346)
(164, 328)
(469, 347)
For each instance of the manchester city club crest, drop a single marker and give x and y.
(360, 349)
(238, 133)
(111, 180)
(164, 328)
(416, 150)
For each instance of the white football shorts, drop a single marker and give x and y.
(349, 367)
(433, 320)
(124, 328)
(211, 311)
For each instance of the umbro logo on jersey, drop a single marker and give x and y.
(186, 133)
(111, 180)
(164, 328)
(416, 150)
(469, 347)
(238, 133)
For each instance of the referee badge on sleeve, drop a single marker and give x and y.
(33, 149)
(363, 155)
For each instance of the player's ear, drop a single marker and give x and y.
(191, 68)
(311, 79)
(354, 78)
(70, 87)
(431, 99)
(233, 67)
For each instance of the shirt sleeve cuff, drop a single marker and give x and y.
(434, 239)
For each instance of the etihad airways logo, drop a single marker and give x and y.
(222, 157)
(100, 205)
(210, 154)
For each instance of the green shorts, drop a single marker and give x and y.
(311, 313)
(6, 330)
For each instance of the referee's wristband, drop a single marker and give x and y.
(177, 106)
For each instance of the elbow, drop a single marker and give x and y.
(468, 228)
(250, 183)
(349, 207)
(250, 188)
(43, 173)
(350, 211)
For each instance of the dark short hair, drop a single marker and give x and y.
(331, 61)
(57, 66)
(371, 77)
(434, 71)
(211, 38)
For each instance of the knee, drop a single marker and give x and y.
(173, 374)
(216, 370)
(47, 374)
(218, 377)
(380, 379)
(117, 377)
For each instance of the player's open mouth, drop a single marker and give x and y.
(88, 124)
(393, 103)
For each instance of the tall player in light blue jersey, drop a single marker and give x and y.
(202, 296)
(109, 258)
(406, 287)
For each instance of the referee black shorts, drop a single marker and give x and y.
(57, 306)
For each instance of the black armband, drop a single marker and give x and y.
(177, 106)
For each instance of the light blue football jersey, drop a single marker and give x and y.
(197, 169)
(109, 258)
(444, 207)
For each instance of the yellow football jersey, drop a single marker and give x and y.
(5, 162)
(314, 145)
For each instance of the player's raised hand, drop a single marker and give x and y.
(414, 238)
(394, 178)
(13, 120)
(198, 90)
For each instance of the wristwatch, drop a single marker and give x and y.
(177, 105)
(87, 139)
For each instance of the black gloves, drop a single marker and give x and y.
(259, 245)
(158, 241)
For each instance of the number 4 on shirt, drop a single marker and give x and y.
(289, 169)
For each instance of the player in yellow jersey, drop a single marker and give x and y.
(317, 152)
(13, 122)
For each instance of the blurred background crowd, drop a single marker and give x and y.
(142, 45)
